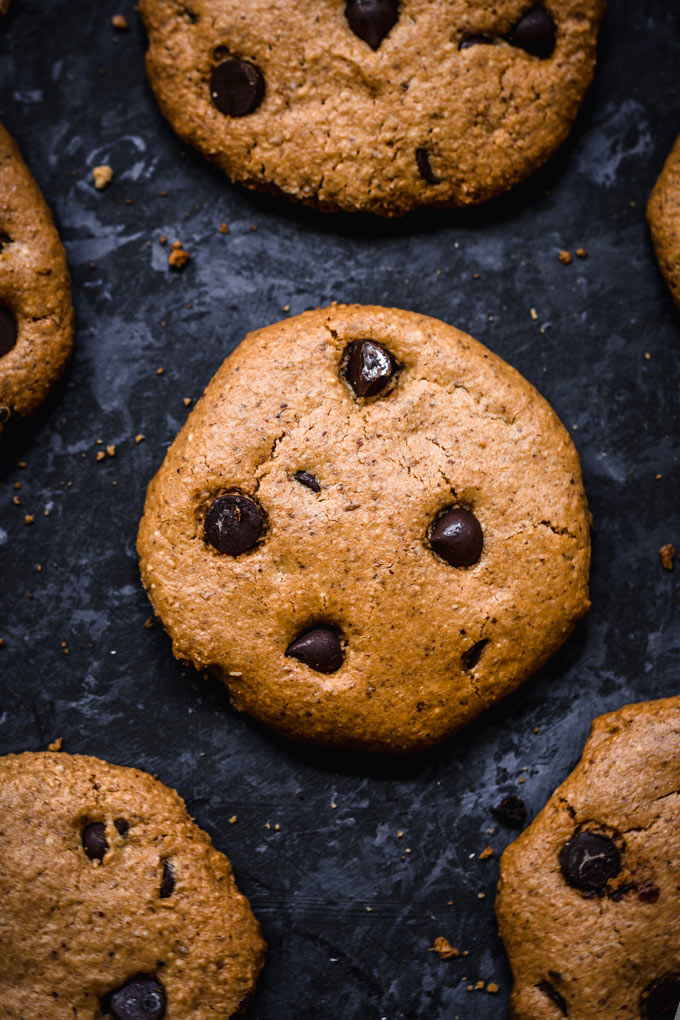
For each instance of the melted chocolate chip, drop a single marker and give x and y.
(511, 811)
(660, 999)
(319, 648)
(304, 478)
(371, 20)
(534, 32)
(471, 657)
(8, 331)
(475, 40)
(122, 826)
(589, 860)
(236, 87)
(233, 524)
(424, 167)
(369, 367)
(94, 841)
(167, 881)
(457, 537)
(552, 993)
(140, 998)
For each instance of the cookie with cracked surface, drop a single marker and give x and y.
(370, 529)
(36, 312)
(589, 895)
(377, 105)
(663, 216)
(115, 904)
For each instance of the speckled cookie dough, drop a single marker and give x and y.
(589, 895)
(370, 528)
(36, 313)
(663, 216)
(373, 105)
(114, 903)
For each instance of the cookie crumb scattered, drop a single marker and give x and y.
(139, 437)
(224, 229)
(2, 642)
(186, 401)
(111, 450)
(162, 239)
(667, 554)
(101, 455)
(492, 988)
(443, 948)
(56, 744)
(233, 820)
(582, 253)
(564, 257)
(178, 257)
(533, 313)
(103, 175)
(120, 23)
(648, 356)
(29, 518)
(486, 853)
(160, 370)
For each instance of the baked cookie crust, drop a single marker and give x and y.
(663, 216)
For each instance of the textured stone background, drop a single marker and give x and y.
(348, 912)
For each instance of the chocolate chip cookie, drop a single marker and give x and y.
(663, 216)
(378, 105)
(589, 895)
(36, 313)
(370, 529)
(114, 903)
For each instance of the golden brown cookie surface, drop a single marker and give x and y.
(114, 903)
(36, 313)
(367, 571)
(373, 104)
(589, 895)
(663, 216)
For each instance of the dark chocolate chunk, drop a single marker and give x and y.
(589, 860)
(94, 841)
(424, 167)
(552, 993)
(319, 647)
(535, 32)
(8, 331)
(369, 367)
(511, 811)
(233, 524)
(140, 998)
(122, 826)
(661, 999)
(236, 87)
(371, 20)
(457, 537)
(475, 40)
(471, 657)
(167, 881)
(310, 481)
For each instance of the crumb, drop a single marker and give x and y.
(537, 729)
(224, 229)
(16, 500)
(533, 313)
(479, 986)
(658, 477)
(21, 463)
(159, 371)
(481, 895)
(2, 642)
(17, 485)
(400, 834)
(475, 276)
(103, 175)
(56, 744)
(29, 518)
(277, 827)
(443, 948)
(286, 308)
(38, 567)
(100, 455)
(267, 825)
(119, 23)
(111, 450)
(648, 356)
(128, 201)
(139, 437)
(522, 779)
(164, 194)
(582, 253)
(186, 401)
(667, 553)
(492, 988)
(178, 257)
(163, 239)
(253, 226)
(564, 257)
(233, 820)
(486, 853)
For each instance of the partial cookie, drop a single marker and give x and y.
(114, 903)
(589, 895)
(36, 313)
(374, 105)
(663, 216)
(370, 528)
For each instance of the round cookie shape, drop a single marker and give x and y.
(373, 105)
(663, 217)
(345, 624)
(91, 927)
(602, 857)
(36, 313)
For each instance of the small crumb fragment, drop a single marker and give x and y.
(479, 986)
(178, 257)
(648, 356)
(486, 853)
(29, 518)
(582, 253)
(139, 437)
(148, 623)
(253, 226)
(481, 895)
(162, 239)
(443, 948)
(667, 554)
(56, 744)
(101, 455)
(2, 642)
(564, 257)
(286, 308)
(103, 175)
(111, 450)
(119, 23)
(492, 988)
(233, 820)
(160, 370)
(224, 229)
(533, 313)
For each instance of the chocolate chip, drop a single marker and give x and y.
(511, 811)
(426, 171)
(475, 40)
(457, 537)
(471, 657)
(94, 841)
(589, 860)
(534, 32)
(371, 20)
(319, 648)
(5, 239)
(304, 478)
(122, 826)
(552, 993)
(236, 87)
(167, 881)
(8, 331)
(233, 524)
(369, 367)
(660, 999)
(140, 998)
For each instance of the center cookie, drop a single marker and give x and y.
(381, 105)
(370, 528)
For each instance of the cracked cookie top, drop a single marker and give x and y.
(589, 895)
(370, 528)
(115, 905)
(378, 105)
(663, 216)
(36, 313)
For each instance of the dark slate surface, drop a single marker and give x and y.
(348, 908)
